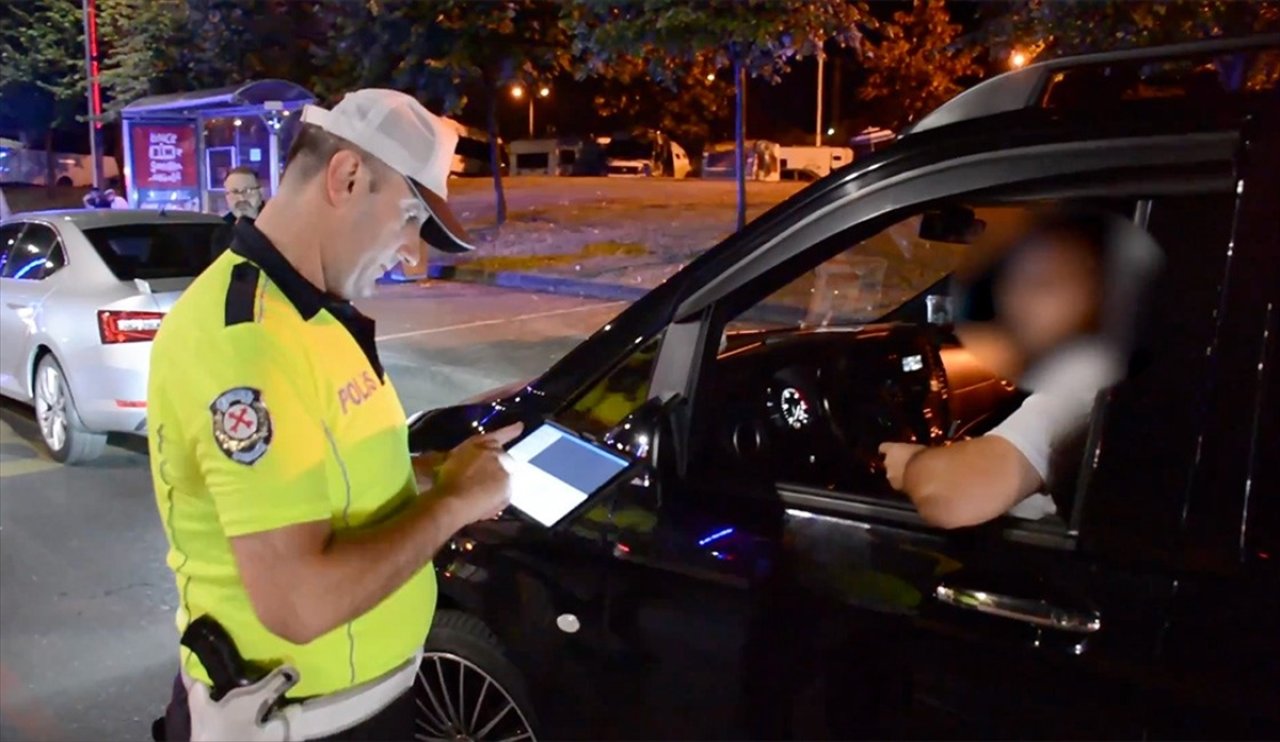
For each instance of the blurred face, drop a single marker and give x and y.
(379, 223)
(1049, 294)
(244, 195)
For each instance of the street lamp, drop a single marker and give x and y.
(517, 92)
(711, 77)
(1018, 60)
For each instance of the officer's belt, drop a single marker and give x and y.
(323, 716)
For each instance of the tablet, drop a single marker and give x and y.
(554, 471)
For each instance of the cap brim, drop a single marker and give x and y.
(442, 231)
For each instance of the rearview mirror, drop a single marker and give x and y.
(955, 224)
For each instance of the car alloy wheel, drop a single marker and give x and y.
(458, 700)
(51, 406)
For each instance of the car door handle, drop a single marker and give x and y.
(1035, 612)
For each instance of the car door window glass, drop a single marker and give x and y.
(807, 387)
(9, 235)
(36, 255)
(880, 274)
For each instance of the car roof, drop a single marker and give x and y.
(1025, 89)
(94, 218)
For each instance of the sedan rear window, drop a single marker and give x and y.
(154, 250)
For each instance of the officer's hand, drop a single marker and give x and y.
(896, 457)
(426, 468)
(475, 476)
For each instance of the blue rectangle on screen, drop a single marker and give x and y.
(578, 464)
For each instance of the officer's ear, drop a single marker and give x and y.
(340, 176)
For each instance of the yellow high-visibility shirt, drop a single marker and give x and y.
(268, 407)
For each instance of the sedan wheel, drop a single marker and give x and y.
(459, 701)
(466, 688)
(51, 406)
(60, 427)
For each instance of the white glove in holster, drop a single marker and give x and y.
(245, 714)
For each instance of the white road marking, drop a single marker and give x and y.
(483, 323)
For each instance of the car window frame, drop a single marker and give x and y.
(1167, 165)
(21, 226)
(59, 244)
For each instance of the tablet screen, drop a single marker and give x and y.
(554, 471)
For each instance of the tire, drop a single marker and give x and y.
(64, 435)
(64, 182)
(466, 687)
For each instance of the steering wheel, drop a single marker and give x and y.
(872, 403)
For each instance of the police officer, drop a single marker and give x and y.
(279, 447)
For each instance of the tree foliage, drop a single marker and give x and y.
(695, 108)
(440, 49)
(42, 63)
(915, 63)
(1051, 28)
(758, 38)
(145, 39)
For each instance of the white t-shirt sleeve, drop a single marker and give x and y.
(1063, 390)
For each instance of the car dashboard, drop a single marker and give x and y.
(812, 407)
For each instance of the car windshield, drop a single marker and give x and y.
(157, 250)
(877, 276)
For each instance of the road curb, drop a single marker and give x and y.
(539, 283)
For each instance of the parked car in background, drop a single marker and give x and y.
(645, 154)
(83, 294)
(761, 579)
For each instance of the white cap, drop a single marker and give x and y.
(411, 140)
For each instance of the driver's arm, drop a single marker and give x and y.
(964, 484)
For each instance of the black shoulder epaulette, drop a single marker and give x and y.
(242, 293)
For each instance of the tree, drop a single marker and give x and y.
(42, 81)
(916, 63)
(1058, 28)
(752, 37)
(144, 42)
(441, 49)
(694, 108)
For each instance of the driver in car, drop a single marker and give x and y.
(1065, 301)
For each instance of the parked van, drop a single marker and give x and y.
(564, 156)
(763, 160)
(812, 163)
(471, 157)
(871, 140)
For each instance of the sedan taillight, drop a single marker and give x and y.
(128, 327)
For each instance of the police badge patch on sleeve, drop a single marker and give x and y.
(241, 425)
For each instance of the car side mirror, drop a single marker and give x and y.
(639, 433)
(954, 224)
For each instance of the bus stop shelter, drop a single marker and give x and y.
(178, 148)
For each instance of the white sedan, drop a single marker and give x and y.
(83, 293)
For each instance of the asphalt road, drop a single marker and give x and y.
(87, 641)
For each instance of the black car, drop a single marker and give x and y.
(761, 579)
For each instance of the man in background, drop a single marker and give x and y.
(244, 199)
